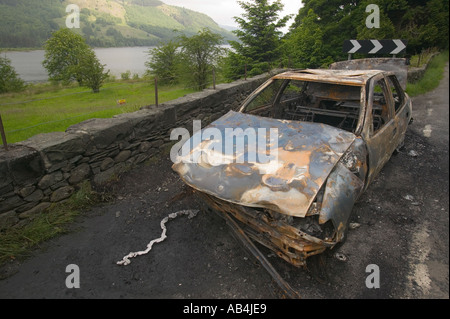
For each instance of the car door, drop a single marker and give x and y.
(402, 108)
(380, 128)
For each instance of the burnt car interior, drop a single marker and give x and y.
(332, 104)
(328, 103)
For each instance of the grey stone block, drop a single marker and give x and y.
(103, 132)
(11, 203)
(62, 193)
(57, 146)
(106, 176)
(106, 164)
(122, 156)
(36, 196)
(59, 185)
(21, 165)
(80, 173)
(27, 190)
(35, 210)
(50, 179)
(8, 219)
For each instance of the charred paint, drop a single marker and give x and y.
(306, 155)
(299, 202)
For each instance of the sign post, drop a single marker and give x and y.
(393, 47)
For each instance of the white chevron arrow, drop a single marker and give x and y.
(356, 46)
(377, 46)
(400, 46)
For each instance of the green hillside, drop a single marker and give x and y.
(104, 23)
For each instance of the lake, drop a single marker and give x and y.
(118, 60)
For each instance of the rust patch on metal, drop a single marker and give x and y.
(396, 65)
(334, 136)
(288, 242)
(306, 154)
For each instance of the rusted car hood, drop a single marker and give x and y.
(287, 183)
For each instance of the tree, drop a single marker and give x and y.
(164, 62)
(68, 58)
(199, 53)
(338, 21)
(259, 35)
(9, 79)
(63, 53)
(423, 24)
(386, 29)
(303, 47)
(91, 71)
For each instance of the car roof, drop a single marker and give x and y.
(344, 77)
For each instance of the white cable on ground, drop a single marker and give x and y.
(190, 212)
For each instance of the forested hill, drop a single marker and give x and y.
(103, 23)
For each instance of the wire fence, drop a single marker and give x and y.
(157, 89)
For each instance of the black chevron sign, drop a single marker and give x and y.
(375, 46)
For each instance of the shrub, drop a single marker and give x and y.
(9, 79)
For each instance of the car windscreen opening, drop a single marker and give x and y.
(328, 103)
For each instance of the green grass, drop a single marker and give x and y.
(17, 243)
(432, 77)
(47, 108)
(421, 59)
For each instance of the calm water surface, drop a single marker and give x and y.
(118, 60)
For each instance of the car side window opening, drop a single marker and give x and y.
(262, 103)
(328, 103)
(380, 107)
(397, 92)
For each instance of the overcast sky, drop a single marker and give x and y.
(223, 11)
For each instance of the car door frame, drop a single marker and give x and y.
(382, 143)
(403, 114)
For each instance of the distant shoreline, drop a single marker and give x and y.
(42, 48)
(20, 49)
(28, 62)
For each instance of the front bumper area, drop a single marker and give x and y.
(286, 241)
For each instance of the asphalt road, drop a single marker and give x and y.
(403, 229)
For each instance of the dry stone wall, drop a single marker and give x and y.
(48, 168)
(416, 73)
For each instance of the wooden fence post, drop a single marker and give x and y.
(156, 91)
(2, 132)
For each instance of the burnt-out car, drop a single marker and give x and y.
(334, 131)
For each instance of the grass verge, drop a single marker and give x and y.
(432, 77)
(421, 59)
(18, 242)
(47, 108)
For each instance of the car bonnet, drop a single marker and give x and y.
(293, 160)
